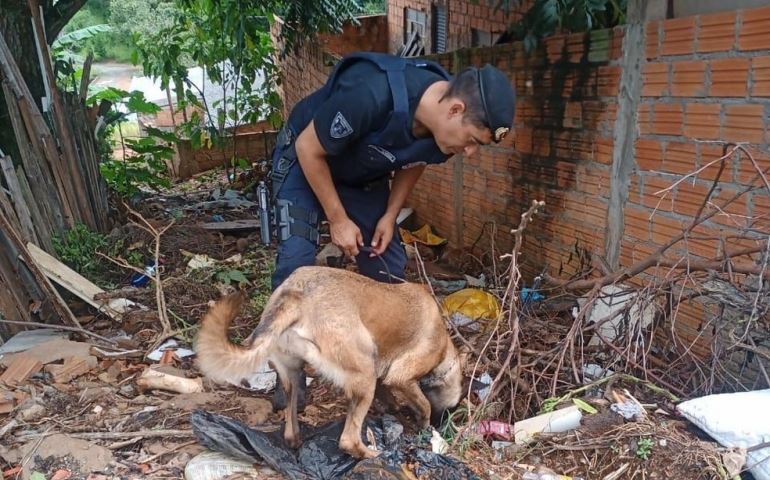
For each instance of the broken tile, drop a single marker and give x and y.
(21, 368)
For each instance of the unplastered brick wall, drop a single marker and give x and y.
(253, 143)
(463, 16)
(305, 70)
(707, 78)
(560, 152)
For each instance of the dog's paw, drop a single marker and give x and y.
(369, 453)
(293, 442)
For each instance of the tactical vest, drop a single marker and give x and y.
(393, 147)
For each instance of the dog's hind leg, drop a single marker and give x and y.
(289, 370)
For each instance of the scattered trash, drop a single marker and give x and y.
(611, 302)
(52, 351)
(495, 429)
(218, 218)
(734, 460)
(422, 235)
(20, 369)
(142, 279)
(627, 406)
(529, 295)
(200, 261)
(480, 282)
(160, 378)
(71, 368)
(170, 345)
(593, 372)
(561, 420)
(263, 380)
(319, 456)
(735, 420)
(403, 214)
(30, 338)
(437, 443)
(467, 306)
(79, 285)
(541, 472)
(485, 379)
(214, 466)
(448, 286)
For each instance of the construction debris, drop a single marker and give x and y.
(162, 379)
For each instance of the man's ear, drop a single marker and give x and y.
(457, 107)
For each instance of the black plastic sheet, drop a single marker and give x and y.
(319, 457)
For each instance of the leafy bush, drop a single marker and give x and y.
(547, 17)
(77, 247)
(146, 167)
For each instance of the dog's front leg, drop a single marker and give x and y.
(360, 393)
(416, 400)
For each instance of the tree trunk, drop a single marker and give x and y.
(16, 28)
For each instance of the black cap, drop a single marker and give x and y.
(498, 99)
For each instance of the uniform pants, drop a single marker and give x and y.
(365, 205)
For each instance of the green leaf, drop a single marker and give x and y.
(79, 36)
(111, 94)
(585, 406)
(167, 136)
(237, 276)
(137, 104)
(37, 476)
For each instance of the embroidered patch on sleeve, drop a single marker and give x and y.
(340, 127)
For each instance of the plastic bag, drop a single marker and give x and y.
(319, 457)
(472, 303)
(423, 235)
(214, 465)
(735, 420)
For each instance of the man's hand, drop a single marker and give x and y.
(383, 234)
(346, 235)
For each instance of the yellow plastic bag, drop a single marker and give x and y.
(423, 235)
(472, 303)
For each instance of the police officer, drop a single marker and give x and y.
(376, 114)
(352, 151)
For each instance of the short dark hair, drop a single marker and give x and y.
(465, 86)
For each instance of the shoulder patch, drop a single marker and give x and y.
(340, 127)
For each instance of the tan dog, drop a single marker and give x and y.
(352, 330)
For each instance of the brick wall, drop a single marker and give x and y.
(305, 70)
(463, 16)
(253, 143)
(560, 152)
(707, 78)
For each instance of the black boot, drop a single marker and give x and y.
(279, 395)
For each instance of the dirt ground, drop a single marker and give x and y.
(102, 424)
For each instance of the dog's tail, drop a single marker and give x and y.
(223, 361)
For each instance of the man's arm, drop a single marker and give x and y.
(403, 183)
(312, 159)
